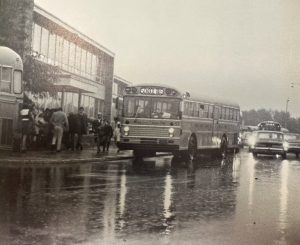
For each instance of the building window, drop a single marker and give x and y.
(51, 52)
(65, 57)
(83, 62)
(78, 60)
(44, 44)
(58, 51)
(115, 89)
(37, 38)
(72, 57)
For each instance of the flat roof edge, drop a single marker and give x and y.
(60, 22)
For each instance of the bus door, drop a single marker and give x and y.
(216, 124)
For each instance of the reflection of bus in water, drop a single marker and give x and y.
(162, 119)
(11, 69)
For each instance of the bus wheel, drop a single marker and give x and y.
(192, 148)
(223, 148)
(284, 155)
(138, 154)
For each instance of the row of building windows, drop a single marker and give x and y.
(90, 104)
(195, 109)
(56, 50)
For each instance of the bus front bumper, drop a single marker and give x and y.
(150, 144)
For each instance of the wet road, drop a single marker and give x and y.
(241, 200)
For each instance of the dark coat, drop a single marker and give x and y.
(83, 123)
(74, 124)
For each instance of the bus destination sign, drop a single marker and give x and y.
(152, 91)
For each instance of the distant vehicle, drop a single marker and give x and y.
(162, 119)
(245, 134)
(293, 143)
(268, 143)
(11, 95)
(269, 125)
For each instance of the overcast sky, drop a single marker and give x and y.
(244, 50)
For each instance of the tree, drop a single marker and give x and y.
(39, 77)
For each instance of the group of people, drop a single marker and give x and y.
(103, 132)
(56, 128)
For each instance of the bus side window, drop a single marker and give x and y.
(186, 108)
(230, 114)
(206, 111)
(211, 110)
(223, 113)
(196, 110)
(201, 111)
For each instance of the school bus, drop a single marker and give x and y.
(163, 119)
(11, 95)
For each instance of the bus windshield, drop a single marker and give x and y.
(145, 107)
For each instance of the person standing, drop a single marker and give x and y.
(73, 130)
(96, 126)
(82, 127)
(26, 124)
(60, 123)
(108, 134)
(117, 135)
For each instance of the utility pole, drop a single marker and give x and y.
(286, 111)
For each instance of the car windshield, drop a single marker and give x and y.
(145, 107)
(292, 137)
(273, 136)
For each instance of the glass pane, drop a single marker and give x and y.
(83, 62)
(72, 57)
(17, 82)
(51, 54)
(44, 43)
(6, 74)
(78, 60)
(37, 38)
(65, 58)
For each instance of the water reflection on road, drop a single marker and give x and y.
(240, 200)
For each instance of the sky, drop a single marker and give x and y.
(247, 51)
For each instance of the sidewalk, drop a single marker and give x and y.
(46, 156)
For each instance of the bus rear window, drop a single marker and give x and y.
(5, 79)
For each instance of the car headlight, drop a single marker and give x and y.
(285, 145)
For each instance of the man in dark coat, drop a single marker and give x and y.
(108, 134)
(82, 126)
(74, 128)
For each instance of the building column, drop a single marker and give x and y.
(62, 98)
(79, 98)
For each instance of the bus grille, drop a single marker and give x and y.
(149, 131)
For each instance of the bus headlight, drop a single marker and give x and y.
(252, 141)
(171, 132)
(126, 130)
(285, 145)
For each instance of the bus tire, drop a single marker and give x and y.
(138, 154)
(192, 148)
(284, 155)
(224, 147)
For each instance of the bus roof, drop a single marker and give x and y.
(186, 95)
(8, 57)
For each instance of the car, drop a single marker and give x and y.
(293, 143)
(268, 143)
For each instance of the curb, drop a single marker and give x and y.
(70, 161)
